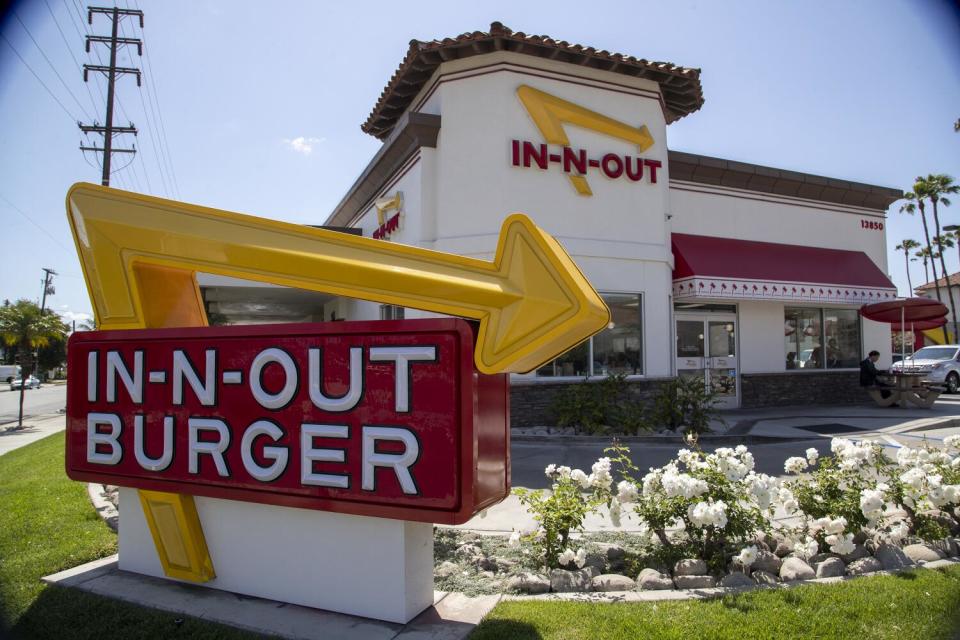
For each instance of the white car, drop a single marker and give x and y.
(940, 364)
(32, 383)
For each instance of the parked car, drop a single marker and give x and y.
(940, 364)
(32, 383)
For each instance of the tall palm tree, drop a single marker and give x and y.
(916, 200)
(938, 187)
(24, 326)
(907, 246)
(924, 255)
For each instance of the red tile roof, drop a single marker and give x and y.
(954, 281)
(680, 86)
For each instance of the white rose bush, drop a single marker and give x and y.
(718, 508)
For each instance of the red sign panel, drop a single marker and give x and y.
(385, 419)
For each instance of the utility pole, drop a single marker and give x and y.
(47, 287)
(108, 130)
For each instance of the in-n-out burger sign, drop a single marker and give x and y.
(388, 225)
(383, 419)
(550, 114)
(577, 162)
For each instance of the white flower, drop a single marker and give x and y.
(795, 465)
(747, 556)
(564, 472)
(704, 514)
(601, 473)
(871, 504)
(741, 449)
(550, 470)
(615, 512)
(790, 506)
(514, 540)
(581, 558)
(898, 532)
(952, 443)
(808, 548)
(580, 478)
(812, 455)
(566, 557)
(841, 544)
(626, 491)
(913, 478)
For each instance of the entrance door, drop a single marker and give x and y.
(707, 349)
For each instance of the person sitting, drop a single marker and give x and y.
(869, 374)
(792, 360)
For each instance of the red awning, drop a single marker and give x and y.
(709, 267)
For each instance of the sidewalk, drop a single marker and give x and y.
(34, 428)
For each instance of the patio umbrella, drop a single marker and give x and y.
(906, 311)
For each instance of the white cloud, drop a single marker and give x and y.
(302, 144)
(79, 316)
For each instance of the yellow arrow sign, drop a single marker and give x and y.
(532, 301)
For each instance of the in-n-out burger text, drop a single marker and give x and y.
(374, 418)
(211, 436)
(578, 162)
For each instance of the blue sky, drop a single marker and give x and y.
(256, 107)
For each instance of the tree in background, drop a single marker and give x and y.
(916, 200)
(907, 246)
(22, 325)
(938, 187)
(924, 255)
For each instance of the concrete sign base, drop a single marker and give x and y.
(372, 567)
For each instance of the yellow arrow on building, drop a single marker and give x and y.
(140, 254)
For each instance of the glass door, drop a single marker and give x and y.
(707, 349)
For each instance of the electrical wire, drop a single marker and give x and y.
(42, 83)
(63, 36)
(55, 72)
(33, 222)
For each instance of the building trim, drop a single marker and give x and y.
(744, 194)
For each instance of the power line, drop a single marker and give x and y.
(42, 83)
(34, 223)
(55, 72)
(70, 51)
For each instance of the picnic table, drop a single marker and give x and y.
(906, 388)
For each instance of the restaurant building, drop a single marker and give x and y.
(747, 276)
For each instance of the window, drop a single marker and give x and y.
(821, 338)
(618, 349)
(391, 312)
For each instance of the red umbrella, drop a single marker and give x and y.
(921, 325)
(906, 311)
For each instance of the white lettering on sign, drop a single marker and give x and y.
(279, 454)
(196, 447)
(283, 397)
(145, 461)
(133, 384)
(347, 401)
(92, 378)
(400, 463)
(402, 357)
(206, 391)
(95, 438)
(309, 455)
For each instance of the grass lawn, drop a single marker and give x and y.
(49, 525)
(917, 604)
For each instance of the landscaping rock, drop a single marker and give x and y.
(563, 581)
(863, 565)
(694, 582)
(764, 577)
(892, 557)
(486, 563)
(690, 567)
(783, 550)
(820, 557)
(923, 553)
(949, 546)
(614, 551)
(858, 552)
(504, 564)
(831, 568)
(445, 569)
(529, 583)
(597, 559)
(469, 551)
(736, 579)
(768, 562)
(489, 575)
(860, 537)
(612, 582)
(795, 569)
(653, 580)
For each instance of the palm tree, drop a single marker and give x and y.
(24, 326)
(938, 186)
(924, 255)
(907, 246)
(916, 200)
